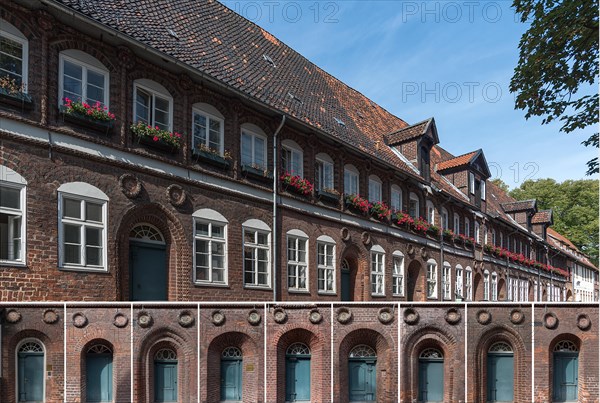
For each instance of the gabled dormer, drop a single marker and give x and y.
(521, 211)
(413, 144)
(541, 221)
(468, 172)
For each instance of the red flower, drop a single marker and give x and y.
(155, 138)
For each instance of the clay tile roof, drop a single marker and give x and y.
(227, 48)
(557, 240)
(408, 133)
(519, 205)
(542, 217)
(457, 161)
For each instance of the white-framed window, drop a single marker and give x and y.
(82, 223)
(431, 278)
(350, 180)
(444, 218)
(396, 198)
(493, 236)
(477, 232)
(14, 54)
(413, 205)
(494, 286)
(512, 296)
(83, 78)
(325, 264)
(482, 189)
(210, 247)
(467, 227)
(485, 236)
(447, 280)
(153, 104)
(254, 146)
(324, 172)
(257, 253)
(207, 128)
(430, 212)
(374, 189)
(468, 284)
(292, 158)
(377, 270)
(535, 291)
(458, 291)
(471, 183)
(398, 274)
(297, 260)
(486, 285)
(501, 239)
(13, 189)
(456, 223)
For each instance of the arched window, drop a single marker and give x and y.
(494, 286)
(430, 212)
(447, 280)
(500, 373)
(210, 247)
(486, 285)
(82, 227)
(257, 253)
(467, 227)
(146, 233)
(297, 373)
(326, 263)
(398, 274)
(444, 218)
(396, 198)
(458, 292)
(493, 236)
(324, 173)
(362, 374)
(254, 147)
(82, 78)
(477, 233)
(99, 374)
(351, 176)
(231, 374)
(12, 216)
(468, 284)
(153, 104)
(413, 206)
(292, 158)
(431, 375)
(374, 189)
(15, 55)
(207, 128)
(456, 224)
(165, 375)
(297, 260)
(432, 291)
(377, 270)
(30, 371)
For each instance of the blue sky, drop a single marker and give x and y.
(452, 60)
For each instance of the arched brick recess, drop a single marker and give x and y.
(415, 282)
(178, 250)
(250, 357)
(359, 272)
(583, 370)
(385, 363)
(477, 286)
(81, 373)
(422, 338)
(522, 364)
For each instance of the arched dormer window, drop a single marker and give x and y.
(153, 104)
(15, 55)
(413, 205)
(254, 147)
(351, 176)
(82, 78)
(207, 128)
(324, 173)
(292, 158)
(374, 189)
(396, 198)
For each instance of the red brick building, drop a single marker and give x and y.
(178, 152)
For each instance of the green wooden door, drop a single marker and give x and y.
(500, 378)
(565, 377)
(31, 377)
(148, 272)
(362, 380)
(165, 381)
(297, 379)
(431, 380)
(99, 377)
(231, 380)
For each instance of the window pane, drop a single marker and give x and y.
(262, 239)
(215, 135)
(201, 228)
(249, 236)
(218, 231)
(93, 236)
(95, 79)
(71, 208)
(246, 149)
(161, 104)
(72, 254)
(93, 256)
(161, 119)
(72, 80)
(93, 212)
(10, 197)
(259, 151)
(72, 234)
(142, 106)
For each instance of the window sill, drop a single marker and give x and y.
(327, 293)
(258, 287)
(84, 269)
(293, 291)
(398, 295)
(12, 263)
(210, 159)
(19, 100)
(378, 295)
(206, 284)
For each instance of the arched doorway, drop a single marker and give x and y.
(147, 264)
(165, 376)
(30, 371)
(99, 374)
(297, 373)
(231, 374)
(414, 288)
(565, 372)
(431, 375)
(500, 373)
(362, 382)
(346, 289)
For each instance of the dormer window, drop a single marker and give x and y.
(424, 163)
(291, 158)
(153, 104)
(374, 189)
(14, 52)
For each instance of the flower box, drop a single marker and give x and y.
(433, 231)
(156, 138)
(380, 211)
(258, 173)
(18, 99)
(159, 144)
(328, 197)
(104, 126)
(296, 184)
(211, 158)
(357, 204)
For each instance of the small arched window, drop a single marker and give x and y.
(153, 104)
(351, 176)
(374, 189)
(430, 212)
(254, 147)
(15, 54)
(396, 198)
(362, 351)
(207, 128)
(82, 78)
(324, 173)
(413, 205)
(298, 349)
(292, 158)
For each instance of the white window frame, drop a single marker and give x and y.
(494, 239)
(323, 163)
(444, 218)
(467, 227)
(486, 285)
(447, 280)
(210, 217)
(351, 180)
(257, 227)
(457, 223)
(325, 270)
(458, 290)
(154, 90)
(471, 183)
(482, 189)
(477, 232)
(396, 198)
(431, 279)
(87, 63)
(430, 212)
(84, 193)
(297, 268)
(468, 284)
(294, 158)
(398, 274)
(375, 189)
(414, 198)
(210, 113)
(254, 133)
(494, 286)
(377, 271)
(11, 33)
(11, 179)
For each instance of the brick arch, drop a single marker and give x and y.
(22, 24)
(384, 346)
(265, 125)
(477, 285)
(250, 356)
(428, 337)
(415, 281)
(208, 97)
(584, 371)
(318, 350)
(359, 272)
(159, 338)
(150, 72)
(503, 333)
(83, 369)
(72, 41)
(178, 249)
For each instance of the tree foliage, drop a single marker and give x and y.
(558, 64)
(574, 204)
(501, 184)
